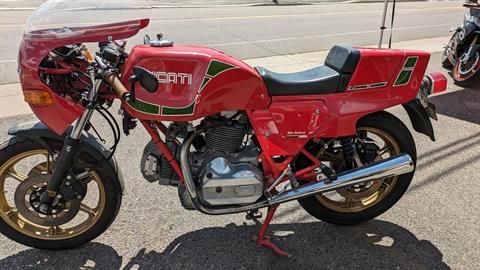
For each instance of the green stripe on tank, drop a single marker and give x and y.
(145, 107)
(205, 81)
(216, 67)
(179, 111)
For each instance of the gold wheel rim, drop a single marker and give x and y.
(384, 186)
(9, 213)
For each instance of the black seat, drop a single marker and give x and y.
(331, 78)
(319, 80)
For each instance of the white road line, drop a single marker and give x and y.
(305, 37)
(278, 16)
(327, 35)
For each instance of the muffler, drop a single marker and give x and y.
(393, 166)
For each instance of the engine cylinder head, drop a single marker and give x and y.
(227, 138)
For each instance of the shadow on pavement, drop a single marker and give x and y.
(89, 256)
(372, 245)
(463, 105)
(375, 244)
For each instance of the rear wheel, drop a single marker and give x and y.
(25, 168)
(383, 136)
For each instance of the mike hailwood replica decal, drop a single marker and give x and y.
(214, 69)
(405, 74)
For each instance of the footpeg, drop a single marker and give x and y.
(329, 173)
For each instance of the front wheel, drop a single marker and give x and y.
(379, 136)
(447, 55)
(466, 73)
(25, 168)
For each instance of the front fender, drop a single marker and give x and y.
(419, 118)
(41, 134)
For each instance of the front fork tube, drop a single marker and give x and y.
(64, 160)
(471, 50)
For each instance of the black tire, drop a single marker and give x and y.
(400, 133)
(17, 145)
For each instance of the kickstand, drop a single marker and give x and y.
(263, 240)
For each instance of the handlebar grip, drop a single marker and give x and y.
(117, 85)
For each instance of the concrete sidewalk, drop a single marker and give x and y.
(12, 104)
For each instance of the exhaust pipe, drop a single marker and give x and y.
(393, 166)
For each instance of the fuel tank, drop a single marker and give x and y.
(193, 82)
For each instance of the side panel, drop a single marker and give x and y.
(291, 121)
(286, 126)
(193, 82)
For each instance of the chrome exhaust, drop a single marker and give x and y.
(393, 166)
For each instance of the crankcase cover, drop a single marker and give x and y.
(224, 183)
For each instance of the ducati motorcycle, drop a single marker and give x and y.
(229, 137)
(462, 53)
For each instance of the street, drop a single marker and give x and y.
(434, 226)
(251, 32)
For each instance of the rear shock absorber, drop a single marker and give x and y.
(348, 151)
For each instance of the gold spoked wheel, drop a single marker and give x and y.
(23, 177)
(360, 197)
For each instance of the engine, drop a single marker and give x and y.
(224, 163)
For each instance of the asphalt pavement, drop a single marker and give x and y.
(29, 4)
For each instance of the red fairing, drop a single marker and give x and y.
(193, 82)
(36, 45)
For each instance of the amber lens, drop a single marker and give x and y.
(88, 55)
(37, 97)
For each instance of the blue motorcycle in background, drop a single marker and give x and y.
(462, 53)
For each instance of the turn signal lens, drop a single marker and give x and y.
(88, 55)
(37, 98)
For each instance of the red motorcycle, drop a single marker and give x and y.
(238, 138)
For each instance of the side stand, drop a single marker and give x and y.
(263, 240)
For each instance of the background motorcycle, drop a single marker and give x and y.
(239, 138)
(462, 53)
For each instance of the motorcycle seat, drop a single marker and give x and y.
(319, 80)
(330, 78)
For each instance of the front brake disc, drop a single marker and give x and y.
(27, 201)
